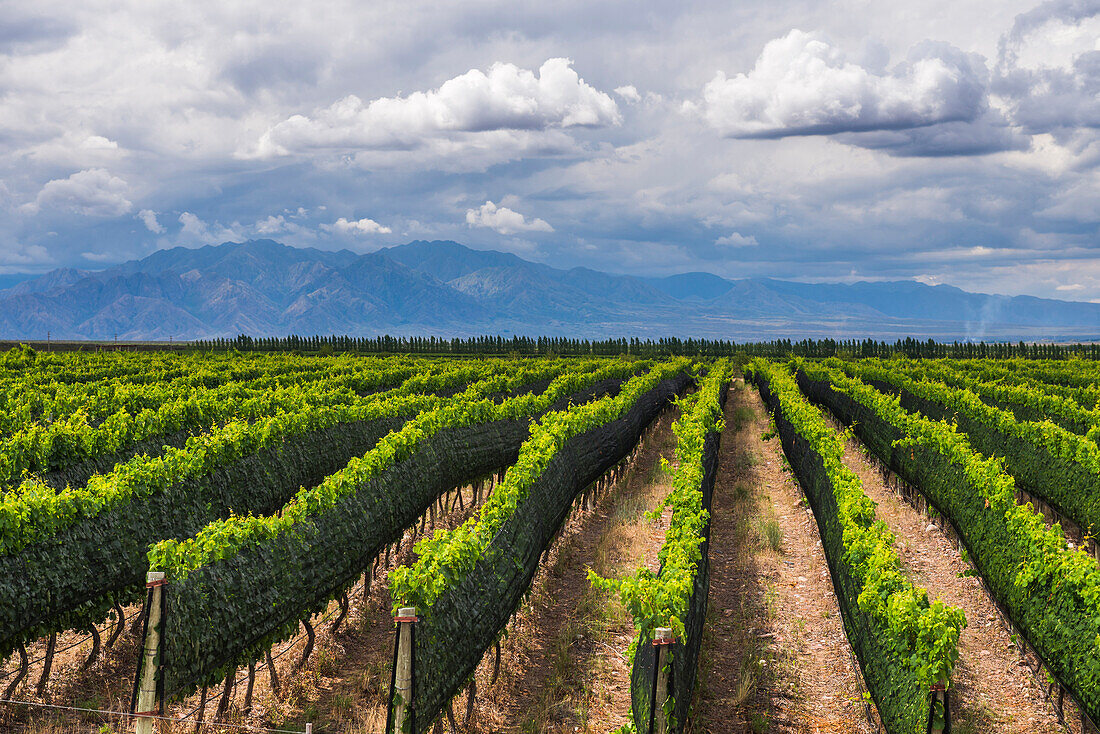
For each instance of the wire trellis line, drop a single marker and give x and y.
(79, 642)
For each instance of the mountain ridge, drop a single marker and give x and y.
(264, 288)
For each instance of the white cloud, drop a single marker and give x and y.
(506, 98)
(195, 228)
(93, 192)
(503, 220)
(357, 227)
(272, 225)
(736, 239)
(98, 142)
(149, 219)
(803, 85)
(24, 255)
(100, 257)
(629, 93)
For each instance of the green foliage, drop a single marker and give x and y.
(224, 538)
(92, 541)
(448, 557)
(905, 642)
(1051, 462)
(34, 511)
(1051, 592)
(52, 427)
(239, 585)
(20, 357)
(663, 600)
(679, 590)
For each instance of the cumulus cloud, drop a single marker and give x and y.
(149, 219)
(737, 240)
(194, 226)
(273, 225)
(505, 98)
(504, 220)
(629, 93)
(803, 85)
(195, 229)
(356, 227)
(93, 192)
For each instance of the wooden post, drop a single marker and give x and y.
(939, 696)
(402, 695)
(147, 688)
(662, 639)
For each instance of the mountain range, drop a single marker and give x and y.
(264, 288)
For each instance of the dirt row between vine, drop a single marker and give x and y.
(775, 657)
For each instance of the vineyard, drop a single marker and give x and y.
(367, 543)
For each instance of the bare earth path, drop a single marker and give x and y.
(993, 690)
(776, 658)
(563, 666)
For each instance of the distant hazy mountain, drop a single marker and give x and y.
(443, 288)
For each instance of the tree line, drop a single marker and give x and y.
(666, 346)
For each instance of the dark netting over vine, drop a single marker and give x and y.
(454, 634)
(684, 652)
(226, 613)
(77, 570)
(1058, 624)
(901, 704)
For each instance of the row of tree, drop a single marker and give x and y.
(525, 345)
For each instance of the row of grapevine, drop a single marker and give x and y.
(69, 442)
(467, 583)
(905, 644)
(67, 556)
(1058, 466)
(1027, 400)
(242, 584)
(27, 369)
(1051, 593)
(43, 404)
(1072, 373)
(675, 598)
(1049, 381)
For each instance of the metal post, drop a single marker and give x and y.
(662, 639)
(147, 689)
(401, 697)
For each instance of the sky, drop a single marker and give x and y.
(944, 141)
